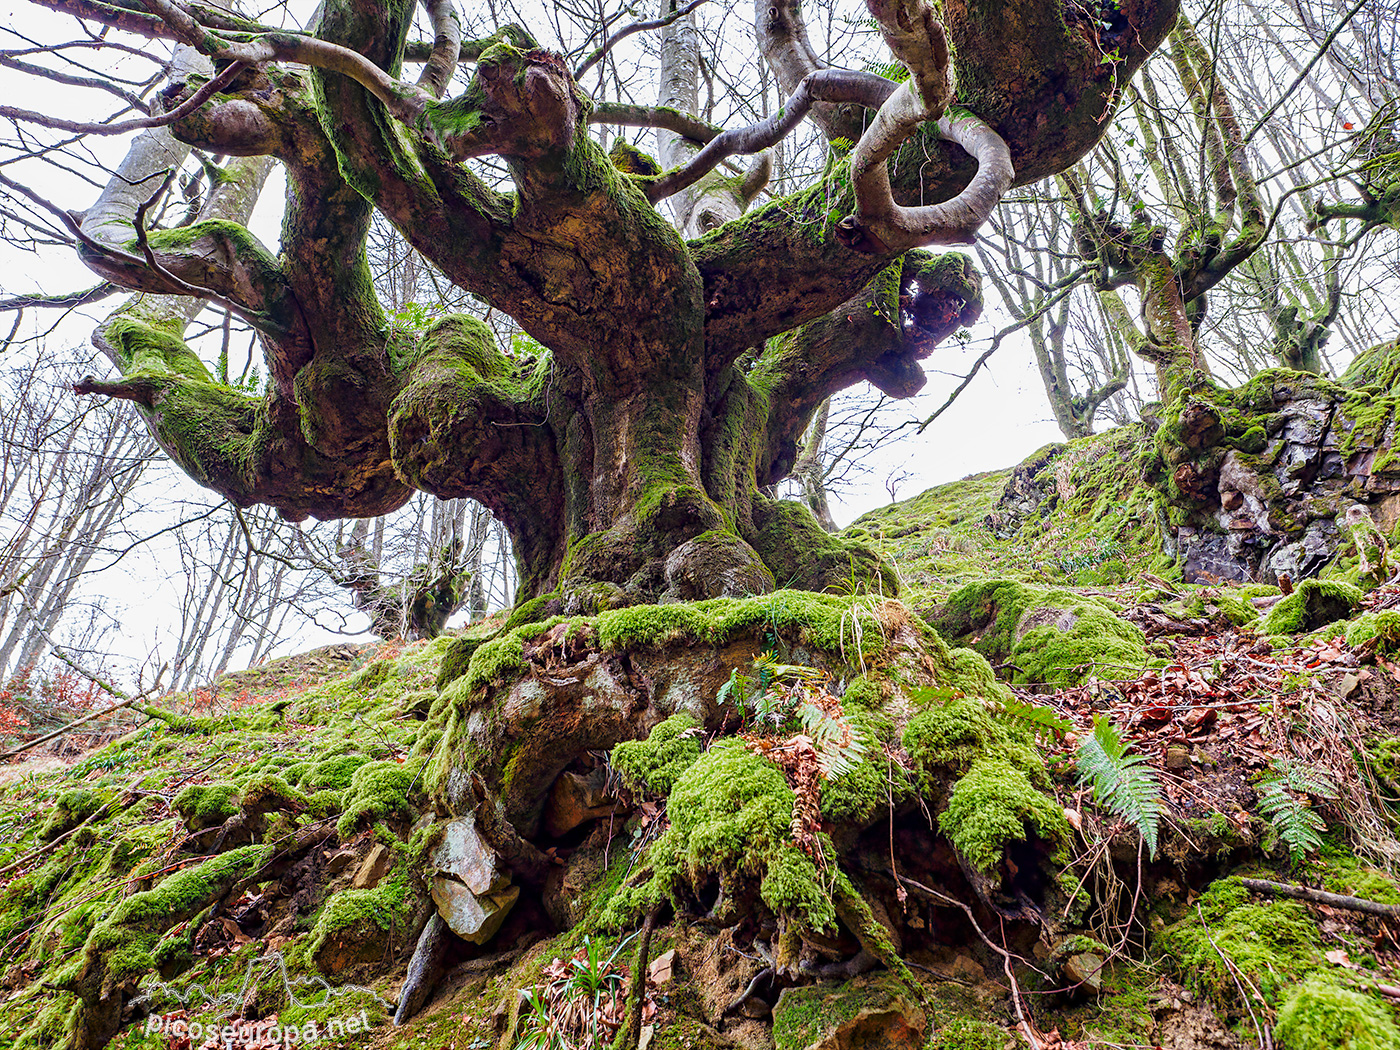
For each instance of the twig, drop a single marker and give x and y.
(184, 109)
(1265, 1034)
(1023, 1021)
(625, 32)
(1336, 900)
(629, 1036)
(63, 729)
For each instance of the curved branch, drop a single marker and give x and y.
(663, 117)
(782, 38)
(406, 102)
(825, 85)
(880, 225)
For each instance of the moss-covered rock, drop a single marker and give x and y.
(1320, 1014)
(1273, 943)
(207, 805)
(1043, 635)
(1313, 604)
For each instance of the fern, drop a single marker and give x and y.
(1123, 784)
(838, 749)
(1283, 799)
(1038, 719)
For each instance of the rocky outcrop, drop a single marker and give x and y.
(1257, 480)
(1252, 483)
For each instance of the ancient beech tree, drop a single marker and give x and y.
(630, 461)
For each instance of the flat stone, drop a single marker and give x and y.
(575, 800)
(474, 918)
(1084, 970)
(663, 968)
(466, 856)
(374, 867)
(339, 861)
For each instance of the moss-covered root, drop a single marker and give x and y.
(629, 1035)
(858, 917)
(118, 950)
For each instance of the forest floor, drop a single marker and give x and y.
(257, 853)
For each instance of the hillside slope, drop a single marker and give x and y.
(1017, 803)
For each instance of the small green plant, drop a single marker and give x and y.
(1040, 720)
(1283, 799)
(1122, 783)
(580, 1005)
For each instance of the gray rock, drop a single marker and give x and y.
(465, 856)
(475, 919)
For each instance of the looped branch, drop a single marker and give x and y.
(881, 226)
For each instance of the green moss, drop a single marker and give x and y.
(334, 772)
(1344, 873)
(493, 662)
(1313, 604)
(1378, 631)
(862, 692)
(69, 810)
(951, 732)
(967, 1033)
(1320, 1014)
(805, 1014)
(730, 813)
(126, 939)
(1273, 943)
(380, 791)
(793, 887)
(267, 793)
(1046, 635)
(456, 660)
(207, 805)
(873, 787)
(653, 765)
(352, 916)
(995, 805)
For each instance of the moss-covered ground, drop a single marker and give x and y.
(797, 787)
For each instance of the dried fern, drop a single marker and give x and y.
(1122, 783)
(1283, 798)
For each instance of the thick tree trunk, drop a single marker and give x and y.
(630, 460)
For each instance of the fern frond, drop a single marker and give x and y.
(1035, 717)
(1297, 823)
(1300, 776)
(838, 749)
(1122, 783)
